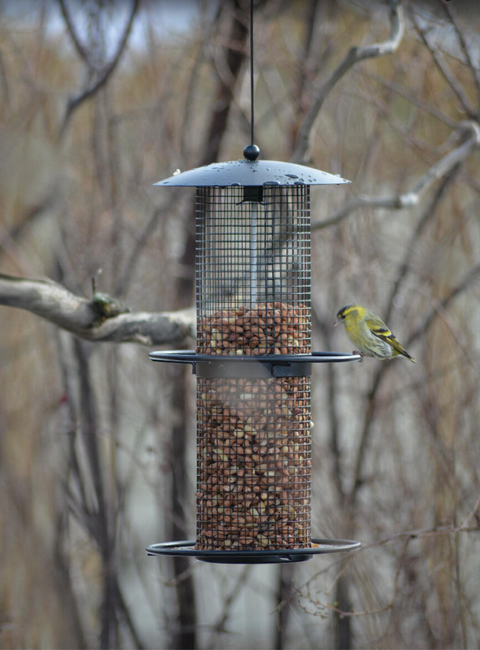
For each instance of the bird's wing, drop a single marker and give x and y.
(378, 328)
(381, 331)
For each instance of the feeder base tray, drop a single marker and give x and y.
(319, 546)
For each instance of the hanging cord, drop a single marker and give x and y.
(251, 151)
(252, 84)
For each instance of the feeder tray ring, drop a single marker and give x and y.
(319, 547)
(278, 365)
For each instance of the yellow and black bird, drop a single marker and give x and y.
(369, 333)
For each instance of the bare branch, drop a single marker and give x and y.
(413, 98)
(82, 51)
(31, 214)
(103, 76)
(93, 320)
(353, 56)
(472, 276)
(448, 8)
(228, 603)
(429, 213)
(4, 81)
(127, 274)
(411, 198)
(445, 70)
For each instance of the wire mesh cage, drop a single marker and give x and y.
(253, 270)
(253, 434)
(253, 463)
(253, 363)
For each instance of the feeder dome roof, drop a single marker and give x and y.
(247, 173)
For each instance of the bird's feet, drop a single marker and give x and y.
(362, 354)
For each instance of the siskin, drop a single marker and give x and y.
(369, 333)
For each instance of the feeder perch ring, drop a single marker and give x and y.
(273, 365)
(192, 357)
(283, 556)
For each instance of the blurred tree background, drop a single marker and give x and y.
(99, 100)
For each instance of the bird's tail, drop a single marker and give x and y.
(405, 354)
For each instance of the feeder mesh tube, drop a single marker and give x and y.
(253, 463)
(253, 434)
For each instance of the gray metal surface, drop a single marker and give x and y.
(190, 356)
(319, 547)
(245, 173)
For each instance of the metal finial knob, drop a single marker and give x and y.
(251, 152)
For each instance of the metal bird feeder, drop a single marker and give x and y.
(253, 360)
(253, 363)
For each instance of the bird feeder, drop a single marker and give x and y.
(253, 363)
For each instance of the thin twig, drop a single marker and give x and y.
(445, 70)
(474, 71)
(31, 214)
(81, 50)
(470, 278)
(412, 197)
(102, 78)
(228, 602)
(379, 610)
(124, 612)
(353, 56)
(419, 533)
(429, 213)
(126, 276)
(4, 81)
(412, 97)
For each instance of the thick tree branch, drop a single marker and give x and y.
(411, 198)
(353, 56)
(94, 320)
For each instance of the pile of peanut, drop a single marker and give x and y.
(267, 328)
(253, 438)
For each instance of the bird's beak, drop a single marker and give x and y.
(336, 323)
